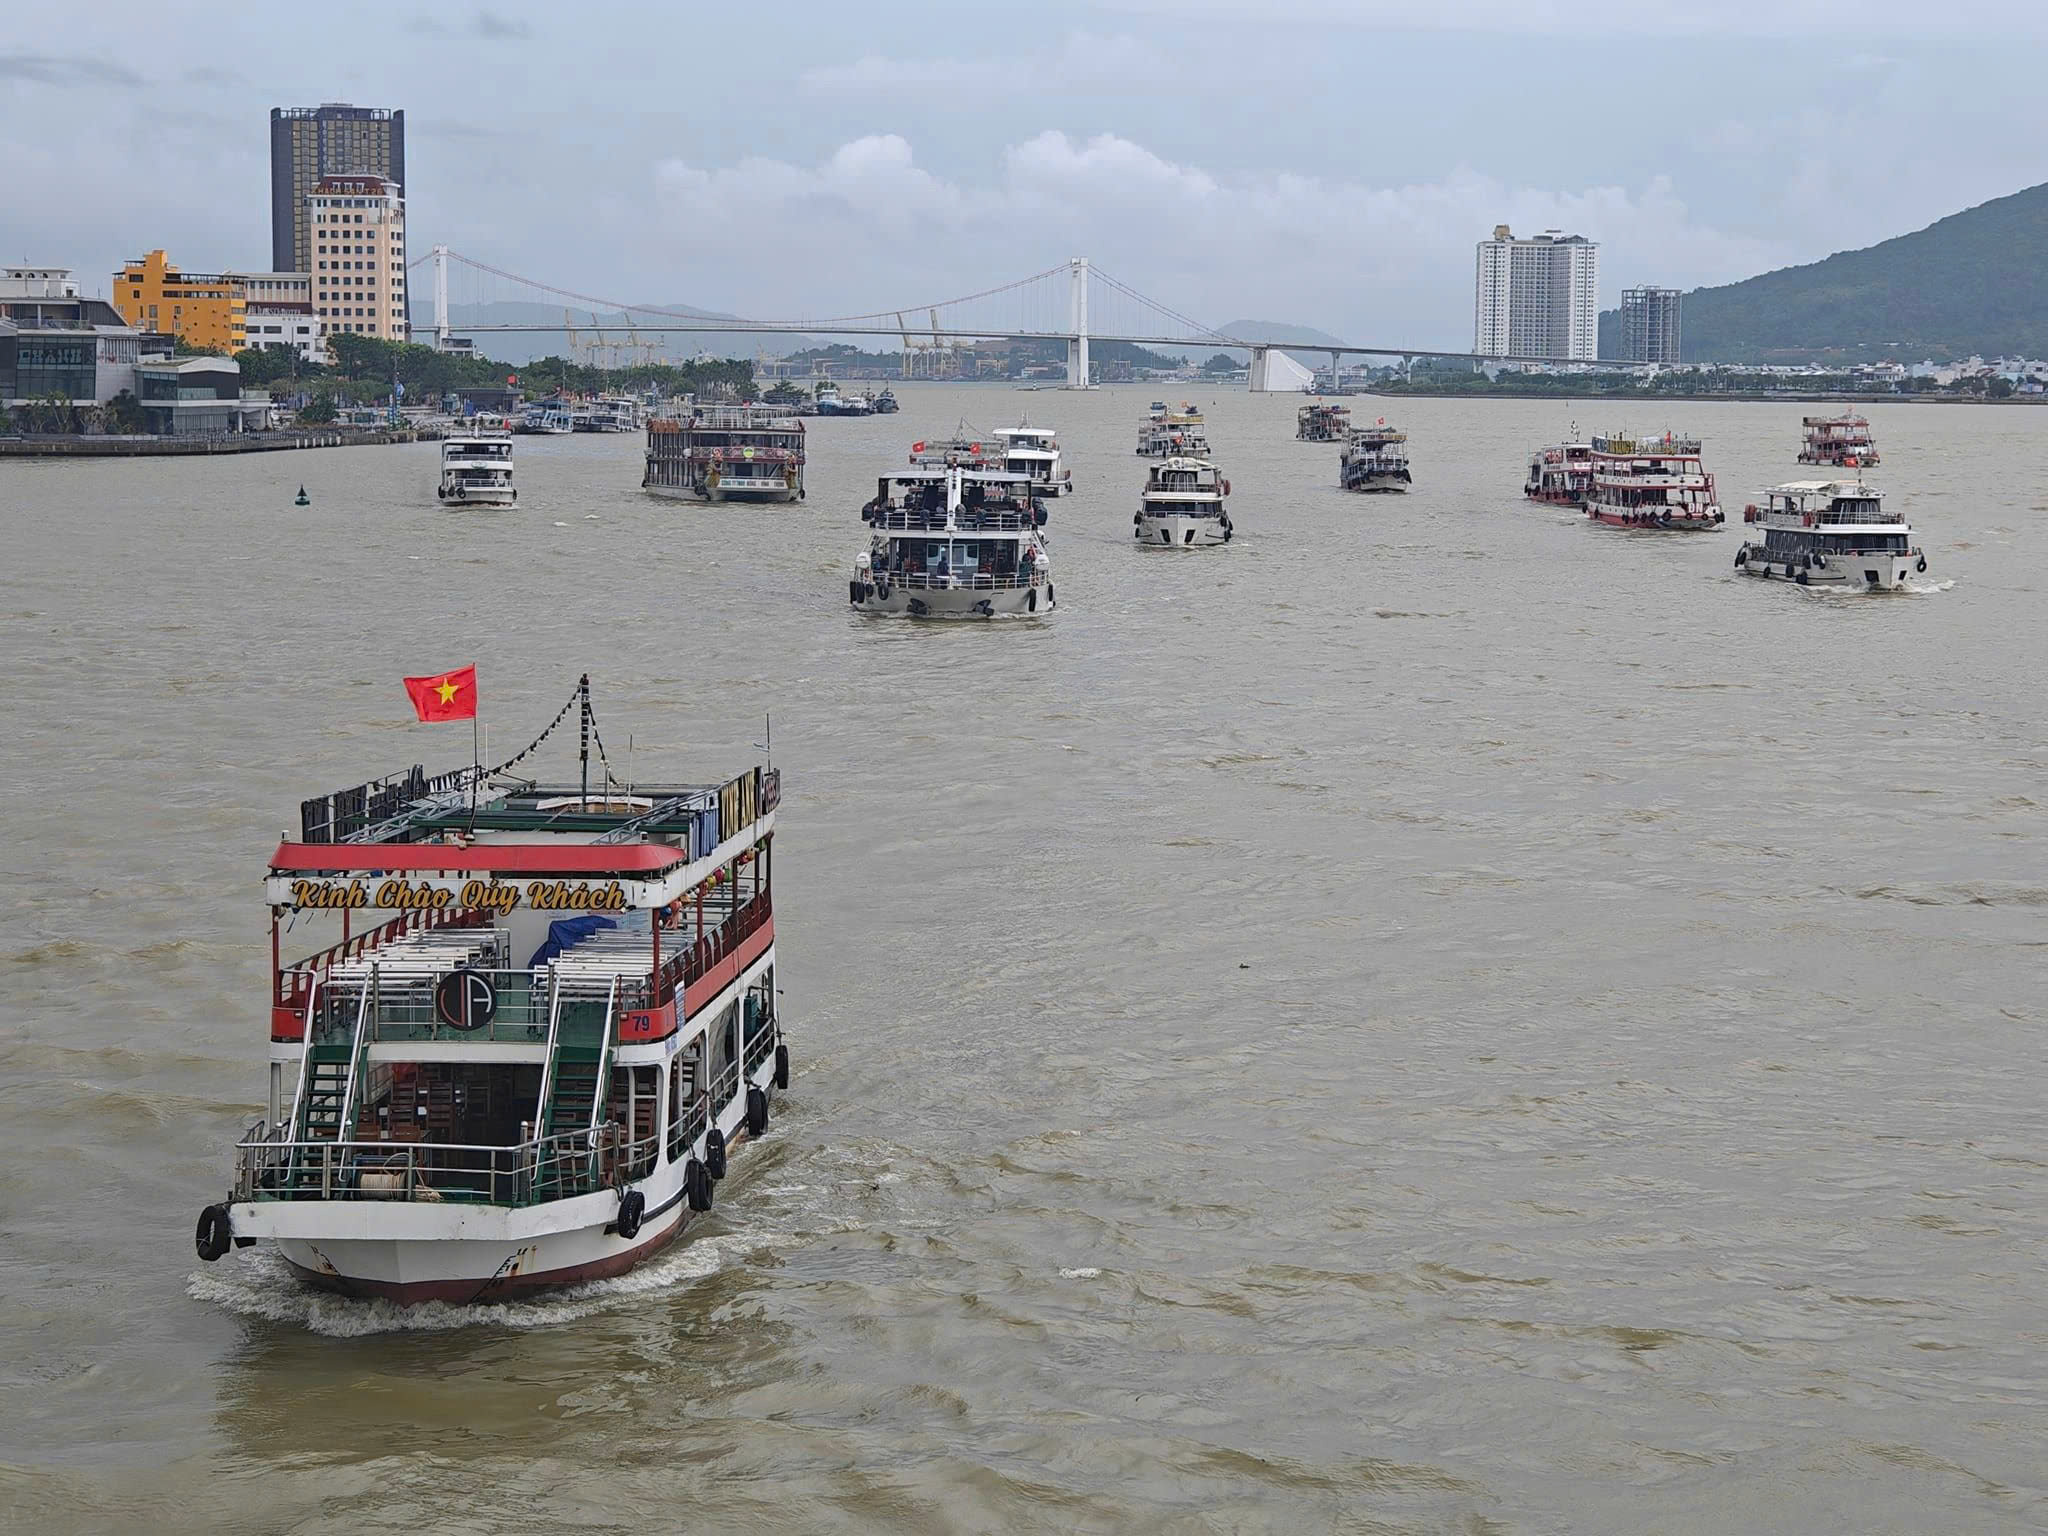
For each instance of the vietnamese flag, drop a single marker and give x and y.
(447, 696)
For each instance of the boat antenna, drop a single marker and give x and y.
(583, 695)
(767, 746)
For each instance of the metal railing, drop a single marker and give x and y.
(973, 581)
(966, 519)
(558, 1167)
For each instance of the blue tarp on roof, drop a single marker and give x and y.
(567, 933)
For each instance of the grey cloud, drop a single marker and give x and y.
(54, 69)
(487, 26)
(224, 78)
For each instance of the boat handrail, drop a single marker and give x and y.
(599, 1094)
(558, 1166)
(926, 581)
(305, 1054)
(965, 520)
(547, 1070)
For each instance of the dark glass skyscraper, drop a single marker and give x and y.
(307, 143)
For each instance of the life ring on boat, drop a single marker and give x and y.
(215, 1233)
(697, 1186)
(632, 1211)
(1921, 566)
(782, 1051)
(714, 1153)
(757, 1109)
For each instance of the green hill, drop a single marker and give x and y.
(1974, 283)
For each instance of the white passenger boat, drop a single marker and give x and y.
(547, 418)
(727, 453)
(1167, 433)
(476, 469)
(1182, 506)
(953, 542)
(1374, 458)
(1035, 451)
(548, 1020)
(1829, 533)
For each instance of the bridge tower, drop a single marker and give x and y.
(1260, 375)
(1077, 343)
(440, 298)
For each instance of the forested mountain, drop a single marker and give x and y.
(1974, 283)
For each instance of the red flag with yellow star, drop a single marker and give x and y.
(445, 696)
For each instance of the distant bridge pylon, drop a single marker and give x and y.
(1073, 304)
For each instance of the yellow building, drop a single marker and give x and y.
(203, 309)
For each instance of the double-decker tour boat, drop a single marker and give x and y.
(727, 453)
(953, 542)
(1375, 458)
(1182, 506)
(1034, 452)
(1832, 533)
(547, 418)
(1169, 434)
(1652, 483)
(1322, 423)
(476, 469)
(1561, 474)
(549, 1019)
(1841, 442)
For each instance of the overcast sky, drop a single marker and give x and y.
(1327, 163)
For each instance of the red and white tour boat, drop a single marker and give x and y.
(547, 1021)
(1652, 483)
(1561, 475)
(1840, 442)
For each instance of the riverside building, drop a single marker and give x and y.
(358, 225)
(202, 309)
(1537, 297)
(1650, 325)
(54, 343)
(309, 144)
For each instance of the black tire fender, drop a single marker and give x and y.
(1742, 557)
(782, 1052)
(215, 1233)
(697, 1186)
(757, 1109)
(632, 1211)
(714, 1153)
(1921, 565)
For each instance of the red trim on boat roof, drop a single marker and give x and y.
(502, 858)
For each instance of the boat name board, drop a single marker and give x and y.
(432, 895)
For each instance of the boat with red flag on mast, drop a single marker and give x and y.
(1652, 482)
(548, 1019)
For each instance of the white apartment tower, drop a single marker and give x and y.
(1537, 297)
(358, 230)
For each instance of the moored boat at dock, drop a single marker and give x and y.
(532, 1070)
(1561, 474)
(727, 453)
(1322, 423)
(547, 418)
(1829, 533)
(476, 469)
(953, 542)
(1652, 483)
(1840, 442)
(1182, 506)
(1375, 458)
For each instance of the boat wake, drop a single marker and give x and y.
(260, 1284)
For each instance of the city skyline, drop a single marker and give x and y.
(874, 178)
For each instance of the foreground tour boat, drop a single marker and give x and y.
(1375, 458)
(953, 542)
(1840, 442)
(1035, 452)
(1182, 506)
(1652, 483)
(550, 1019)
(1167, 434)
(1561, 475)
(1830, 533)
(727, 453)
(1321, 423)
(476, 469)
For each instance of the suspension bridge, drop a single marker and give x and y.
(1073, 304)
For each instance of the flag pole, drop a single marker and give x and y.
(476, 753)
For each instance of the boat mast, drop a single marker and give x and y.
(583, 694)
